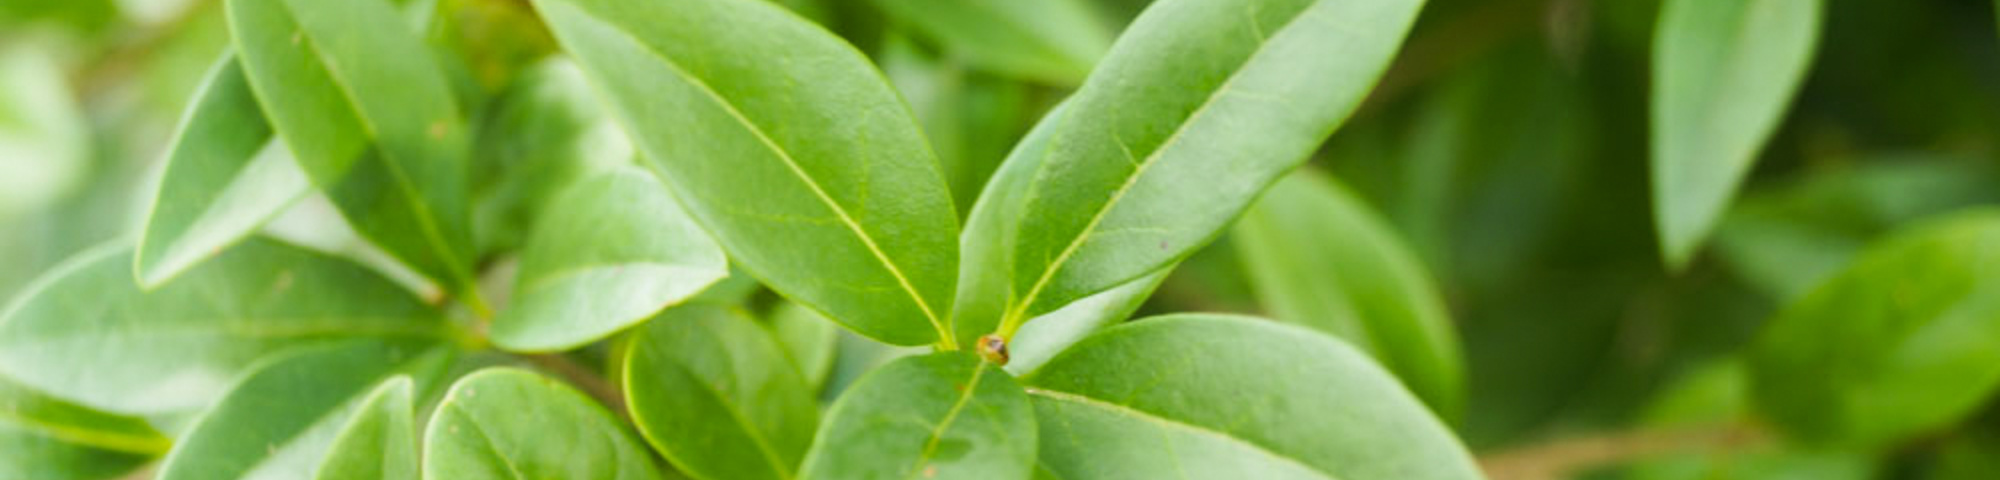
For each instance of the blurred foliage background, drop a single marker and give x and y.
(1508, 144)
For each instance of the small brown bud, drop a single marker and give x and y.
(993, 349)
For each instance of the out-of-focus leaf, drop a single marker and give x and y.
(1200, 106)
(971, 118)
(620, 250)
(1318, 257)
(715, 394)
(1902, 342)
(1787, 240)
(86, 332)
(945, 415)
(1223, 396)
(715, 94)
(1717, 397)
(1054, 41)
(809, 341)
(45, 147)
(371, 119)
(225, 176)
(543, 133)
(380, 441)
(1723, 73)
(505, 423)
(47, 438)
(854, 356)
(282, 420)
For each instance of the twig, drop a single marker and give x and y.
(1565, 458)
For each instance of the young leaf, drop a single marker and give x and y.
(380, 441)
(1902, 342)
(1199, 106)
(1318, 257)
(714, 393)
(940, 416)
(1231, 394)
(809, 341)
(370, 117)
(504, 423)
(1054, 41)
(87, 333)
(283, 419)
(46, 438)
(985, 267)
(788, 146)
(621, 250)
(225, 176)
(1723, 73)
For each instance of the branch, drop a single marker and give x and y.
(1567, 457)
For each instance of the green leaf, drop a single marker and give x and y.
(1209, 394)
(1903, 342)
(46, 438)
(971, 118)
(505, 423)
(621, 251)
(1054, 41)
(283, 419)
(1318, 257)
(809, 340)
(836, 160)
(714, 393)
(944, 415)
(85, 332)
(45, 148)
(986, 262)
(1199, 107)
(370, 117)
(1723, 73)
(225, 176)
(380, 441)
(544, 133)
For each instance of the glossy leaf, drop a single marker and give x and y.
(944, 416)
(621, 250)
(45, 148)
(225, 176)
(86, 332)
(1053, 41)
(380, 441)
(1902, 342)
(808, 339)
(504, 423)
(46, 438)
(716, 395)
(381, 133)
(1199, 106)
(283, 419)
(775, 134)
(1723, 74)
(1318, 257)
(1232, 394)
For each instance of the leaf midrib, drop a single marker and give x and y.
(1126, 411)
(937, 432)
(1062, 259)
(944, 333)
(764, 448)
(427, 221)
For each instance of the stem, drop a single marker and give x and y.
(1567, 457)
(585, 379)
